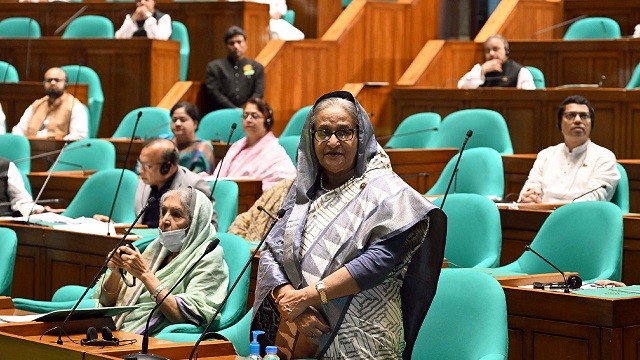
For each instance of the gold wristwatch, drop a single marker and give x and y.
(322, 291)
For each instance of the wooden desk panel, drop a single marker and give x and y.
(133, 73)
(420, 168)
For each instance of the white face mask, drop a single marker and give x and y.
(173, 240)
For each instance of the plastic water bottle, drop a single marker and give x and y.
(254, 346)
(272, 353)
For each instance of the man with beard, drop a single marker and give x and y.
(235, 79)
(58, 115)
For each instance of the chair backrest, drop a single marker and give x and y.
(19, 27)
(295, 124)
(538, 77)
(96, 196)
(634, 82)
(289, 16)
(236, 254)
(413, 132)
(467, 319)
(226, 194)
(621, 195)
(476, 161)
(8, 73)
(86, 75)
(180, 34)
(89, 26)
(593, 28)
(16, 147)
(584, 236)
(474, 234)
(290, 145)
(489, 130)
(8, 249)
(216, 125)
(154, 122)
(87, 154)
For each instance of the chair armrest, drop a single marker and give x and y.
(71, 293)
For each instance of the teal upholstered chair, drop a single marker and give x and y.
(180, 34)
(585, 237)
(480, 172)
(413, 132)
(95, 97)
(634, 82)
(474, 235)
(621, 195)
(216, 125)
(19, 27)
(8, 73)
(154, 122)
(593, 28)
(538, 77)
(16, 148)
(289, 16)
(489, 130)
(294, 125)
(290, 145)
(96, 196)
(467, 319)
(87, 154)
(226, 194)
(236, 254)
(89, 26)
(8, 249)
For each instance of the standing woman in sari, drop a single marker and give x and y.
(330, 281)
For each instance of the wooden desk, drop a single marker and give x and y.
(571, 326)
(420, 168)
(133, 73)
(218, 350)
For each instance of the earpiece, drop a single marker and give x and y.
(92, 338)
(268, 122)
(165, 167)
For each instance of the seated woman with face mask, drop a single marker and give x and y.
(185, 231)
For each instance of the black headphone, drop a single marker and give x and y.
(165, 167)
(92, 338)
(171, 158)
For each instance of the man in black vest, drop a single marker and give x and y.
(146, 21)
(14, 198)
(497, 70)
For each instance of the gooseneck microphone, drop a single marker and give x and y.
(455, 168)
(385, 137)
(124, 166)
(603, 186)
(46, 181)
(95, 279)
(45, 154)
(215, 182)
(143, 354)
(205, 332)
(561, 24)
(69, 20)
(574, 281)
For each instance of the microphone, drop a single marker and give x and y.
(589, 192)
(124, 165)
(215, 182)
(574, 281)
(224, 301)
(143, 354)
(260, 208)
(46, 181)
(455, 168)
(73, 17)
(602, 79)
(552, 27)
(385, 137)
(45, 154)
(95, 279)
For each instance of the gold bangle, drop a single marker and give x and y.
(104, 289)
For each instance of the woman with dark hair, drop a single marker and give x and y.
(196, 154)
(258, 155)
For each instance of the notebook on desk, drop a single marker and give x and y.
(78, 314)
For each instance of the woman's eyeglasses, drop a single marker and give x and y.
(253, 115)
(342, 134)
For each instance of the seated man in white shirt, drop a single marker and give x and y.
(146, 21)
(14, 198)
(58, 115)
(497, 70)
(576, 169)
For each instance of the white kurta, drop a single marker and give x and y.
(473, 79)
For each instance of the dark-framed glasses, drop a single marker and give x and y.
(253, 115)
(571, 115)
(341, 134)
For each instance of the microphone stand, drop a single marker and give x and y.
(564, 277)
(455, 168)
(95, 279)
(589, 192)
(143, 354)
(73, 17)
(215, 182)
(45, 154)
(385, 137)
(206, 332)
(552, 27)
(46, 181)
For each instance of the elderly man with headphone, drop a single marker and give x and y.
(497, 70)
(576, 169)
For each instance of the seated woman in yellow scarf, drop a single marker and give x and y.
(185, 231)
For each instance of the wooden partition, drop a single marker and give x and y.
(531, 114)
(206, 21)
(524, 19)
(314, 17)
(625, 12)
